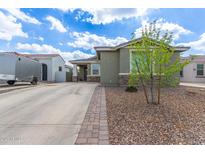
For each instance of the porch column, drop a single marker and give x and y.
(75, 73)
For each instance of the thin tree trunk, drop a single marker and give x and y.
(159, 84)
(151, 86)
(145, 92)
(151, 90)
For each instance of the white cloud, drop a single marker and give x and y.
(197, 45)
(22, 16)
(60, 43)
(48, 49)
(75, 55)
(39, 38)
(10, 28)
(56, 24)
(109, 15)
(66, 9)
(176, 29)
(87, 40)
(44, 48)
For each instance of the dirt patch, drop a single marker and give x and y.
(179, 119)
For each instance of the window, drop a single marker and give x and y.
(59, 68)
(181, 73)
(134, 60)
(95, 69)
(200, 69)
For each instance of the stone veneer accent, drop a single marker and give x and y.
(74, 78)
(123, 79)
(93, 78)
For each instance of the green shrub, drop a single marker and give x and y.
(170, 81)
(133, 80)
(131, 89)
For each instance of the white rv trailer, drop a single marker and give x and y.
(14, 67)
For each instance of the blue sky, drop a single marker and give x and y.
(74, 32)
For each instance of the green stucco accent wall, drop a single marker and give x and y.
(114, 62)
(124, 60)
(174, 57)
(109, 67)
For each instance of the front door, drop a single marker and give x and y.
(85, 73)
(44, 72)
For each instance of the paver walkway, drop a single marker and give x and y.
(94, 129)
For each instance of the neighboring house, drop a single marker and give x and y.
(195, 70)
(111, 65)
(53, 67)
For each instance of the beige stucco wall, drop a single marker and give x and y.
(109, 67)
(190, 71)
(56, 63)
(48, 62)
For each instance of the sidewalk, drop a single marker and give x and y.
(198, 85)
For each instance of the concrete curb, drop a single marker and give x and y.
(12, 89)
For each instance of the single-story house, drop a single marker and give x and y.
(195, 70)
(53, 67)
(111, 65)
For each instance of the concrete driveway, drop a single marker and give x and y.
(47, 114)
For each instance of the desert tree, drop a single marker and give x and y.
(154, 61)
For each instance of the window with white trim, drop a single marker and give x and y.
(133, 65)
(95, 69)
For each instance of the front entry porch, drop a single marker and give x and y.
(86, 69)
(85, 72)
(82, 72)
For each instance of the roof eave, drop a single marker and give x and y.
(181, 49)
(177, 49)
(103, 48)
(83, 62)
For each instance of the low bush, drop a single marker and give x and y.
(131, 89)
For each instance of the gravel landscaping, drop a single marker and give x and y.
(179, 119)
